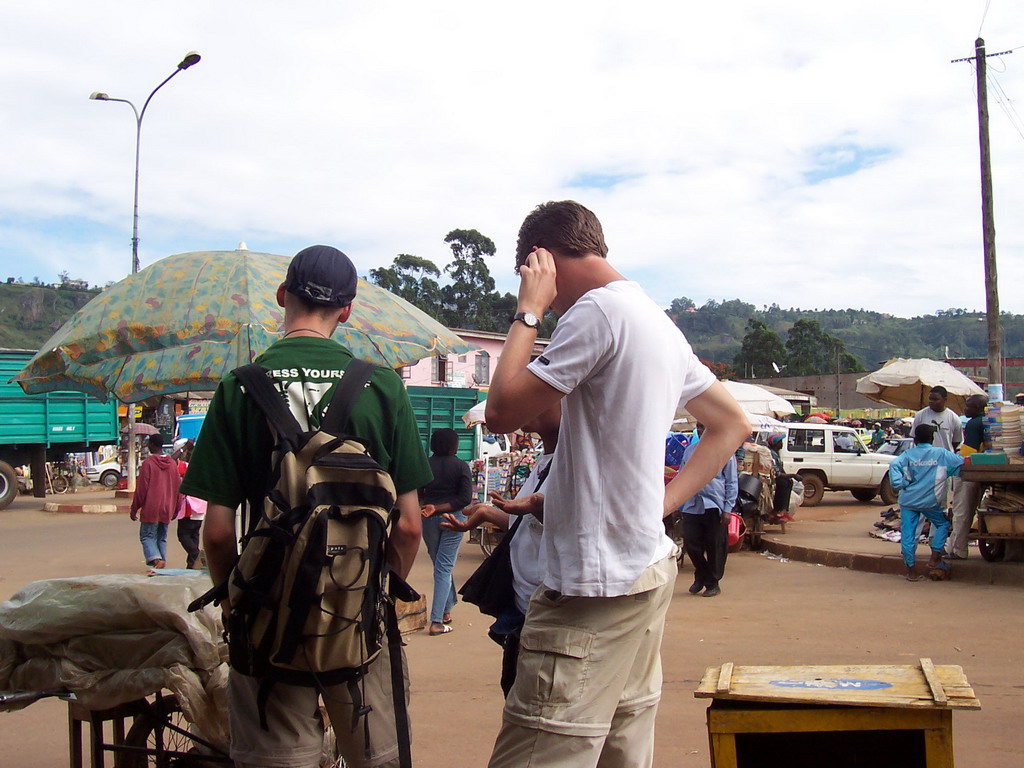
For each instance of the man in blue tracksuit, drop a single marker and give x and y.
(920, 477)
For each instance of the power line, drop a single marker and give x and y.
(984, 15)
(1006, 104)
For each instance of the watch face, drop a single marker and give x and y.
(530, 319)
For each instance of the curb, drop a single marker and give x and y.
(87, 509)
(973, 571)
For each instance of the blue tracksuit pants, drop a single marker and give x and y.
(909, 518)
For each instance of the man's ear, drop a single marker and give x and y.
(280, 295)
(343, 315)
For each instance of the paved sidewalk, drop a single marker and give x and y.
(93, 500)
(835, 533)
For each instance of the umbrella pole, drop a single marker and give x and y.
(131, 448)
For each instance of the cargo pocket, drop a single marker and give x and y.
(556, 662)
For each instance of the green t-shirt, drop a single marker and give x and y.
(974, 433)
(231, 460)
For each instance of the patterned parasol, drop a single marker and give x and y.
(182, 323)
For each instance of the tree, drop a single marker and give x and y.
(760, 352)
(411, 278)
(469, 301)
(812, 351)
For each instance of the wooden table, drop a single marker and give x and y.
(804, 717)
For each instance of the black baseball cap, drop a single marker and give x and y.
(322, 275)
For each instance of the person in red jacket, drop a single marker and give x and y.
(156, 501)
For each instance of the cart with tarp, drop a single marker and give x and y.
(1000, 514)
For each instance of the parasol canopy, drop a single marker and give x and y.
(752, 399)
(905, 383)
(757, 423)
(182, 323)
(141, 429)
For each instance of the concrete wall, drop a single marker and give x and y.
(824, 388)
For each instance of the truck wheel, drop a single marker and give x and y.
(8, 485)
(864, 494)
(814, 489)
(110, 479)
(889, 496)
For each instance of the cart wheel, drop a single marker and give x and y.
(8, 485)
(60, 484)
(168, 747)
(992, 550)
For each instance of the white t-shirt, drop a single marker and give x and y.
(624, 368)
(948, 428)
(524, 550)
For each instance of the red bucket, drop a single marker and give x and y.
(736, 529)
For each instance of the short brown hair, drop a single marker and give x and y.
(565, 226)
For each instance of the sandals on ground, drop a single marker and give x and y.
(445, 629)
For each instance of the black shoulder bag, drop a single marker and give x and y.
(491, 587)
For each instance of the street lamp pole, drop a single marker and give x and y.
(191, 58)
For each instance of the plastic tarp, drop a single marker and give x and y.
(114, 639)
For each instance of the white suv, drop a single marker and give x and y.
(834, 457)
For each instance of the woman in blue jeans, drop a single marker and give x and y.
(450, 491)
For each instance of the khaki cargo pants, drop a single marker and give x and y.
(296, 733)
(589, 678)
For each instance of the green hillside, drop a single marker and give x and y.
(716, 330)
(30, 314)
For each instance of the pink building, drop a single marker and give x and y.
(471, 370)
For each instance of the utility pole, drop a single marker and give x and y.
(988, 224)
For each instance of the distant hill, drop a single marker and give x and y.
(716, 329)
(30, 314)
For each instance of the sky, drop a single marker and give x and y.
(814, 155)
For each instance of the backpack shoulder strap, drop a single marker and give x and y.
(257, 385)
(357, 374)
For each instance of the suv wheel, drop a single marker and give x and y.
(889, 496)
(110, 479)
(814, 489)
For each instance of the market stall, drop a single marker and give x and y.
(1001, 509)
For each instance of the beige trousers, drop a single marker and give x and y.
(295, 738)
(965, 503)
(589, 678)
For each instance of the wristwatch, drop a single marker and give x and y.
(527, 318)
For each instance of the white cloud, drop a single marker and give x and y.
(380, 128)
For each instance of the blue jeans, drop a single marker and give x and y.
(154, 541)
(909, 519)
(443, 548)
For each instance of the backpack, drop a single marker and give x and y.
(312, 593)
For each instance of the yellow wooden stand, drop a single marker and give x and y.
(797, 717)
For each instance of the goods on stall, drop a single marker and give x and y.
(1003, 428)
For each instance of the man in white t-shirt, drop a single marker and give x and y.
(948, 427)
(589, 675)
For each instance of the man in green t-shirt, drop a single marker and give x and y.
(231, 465)
(967, 494)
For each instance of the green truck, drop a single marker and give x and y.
(438, 407)
(35, 429)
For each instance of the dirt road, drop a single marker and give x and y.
(770, 612)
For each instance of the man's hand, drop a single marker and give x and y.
(133, 515)
(428, 510)
(527, 505)
(537, 282)
(451, 523)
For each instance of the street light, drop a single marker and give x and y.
(191, 58)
